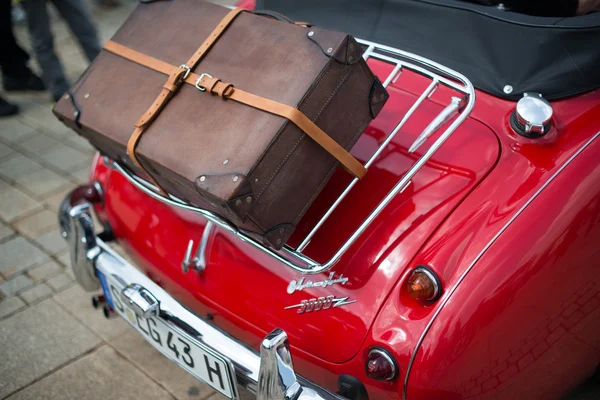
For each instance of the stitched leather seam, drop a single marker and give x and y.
(334, 93)
(280, 136)
(303, 135)
(255, 222)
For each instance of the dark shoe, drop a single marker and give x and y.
(7, 108)
(27, 82)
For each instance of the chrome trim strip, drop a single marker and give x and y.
(294, 258)
(481, 253)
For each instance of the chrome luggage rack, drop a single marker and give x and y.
(401, 60)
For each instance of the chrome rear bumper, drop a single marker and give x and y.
(270, 375)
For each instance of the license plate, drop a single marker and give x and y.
(196, 358)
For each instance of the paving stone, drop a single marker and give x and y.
(59, 281)
(15, 285)
(52, 242)
(36, 224)
(36, 293)
(16, 204)
(65, 158)
(177, 381)
(13, 130)
(38, 143)
(38, 340)
(18, 254)
(8, 306)
(40, 116)
(97, 376)
(53, 201)
(82, 175)
(5, 231)
(43, 182)
(79, 303)
(79, 143)
(18, 166)
(45, 271)
(5, 151)
(65, 259)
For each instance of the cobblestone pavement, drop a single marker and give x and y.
(53, 344)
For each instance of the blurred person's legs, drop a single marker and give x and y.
(38, 22)
(13, 59)
(79, 20)
(77, 15)
(13, 62)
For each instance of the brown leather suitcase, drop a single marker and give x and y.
(251, 127)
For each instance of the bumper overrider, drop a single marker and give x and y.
(268, 374)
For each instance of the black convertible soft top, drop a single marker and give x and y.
(558, 57)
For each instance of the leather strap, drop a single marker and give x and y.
(227, 91)
(176, 77)
(212, 38)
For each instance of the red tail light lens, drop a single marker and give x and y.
(381, 366)
(94, 193)
(424, 285)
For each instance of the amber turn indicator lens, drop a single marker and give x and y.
(423, 285)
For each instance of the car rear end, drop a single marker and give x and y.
(235, 313)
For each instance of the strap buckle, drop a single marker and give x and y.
(202, 75)
(188, 70)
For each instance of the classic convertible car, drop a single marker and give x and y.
(465, 265)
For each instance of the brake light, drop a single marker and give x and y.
(380, 365)
(94, 193)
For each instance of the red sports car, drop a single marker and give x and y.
(465, 265)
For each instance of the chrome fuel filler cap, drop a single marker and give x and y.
(533, 116)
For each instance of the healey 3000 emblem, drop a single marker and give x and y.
(318, 303)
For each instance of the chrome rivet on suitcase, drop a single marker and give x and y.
(311, 33)
(202, 178)
(329, 50)
(87, 95)
(225, 162)
(248, 199)
(76, 113)
(235, 178)
(67, 96)
(238, 202)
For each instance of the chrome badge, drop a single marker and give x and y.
(300, 285)
(320, 303)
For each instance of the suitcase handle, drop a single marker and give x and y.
(279, 17)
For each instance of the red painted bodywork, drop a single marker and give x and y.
(525, 321)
